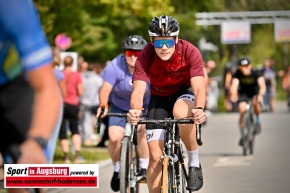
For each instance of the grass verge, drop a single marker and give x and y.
(90, 154)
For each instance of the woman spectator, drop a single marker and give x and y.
(72, 91)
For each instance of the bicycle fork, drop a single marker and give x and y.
(132, 176)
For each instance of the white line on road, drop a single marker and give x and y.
(234, 161)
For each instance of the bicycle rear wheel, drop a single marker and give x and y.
(124, 164)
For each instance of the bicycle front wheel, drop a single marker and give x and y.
(181, 171)
(133, 184)
(246, 133)
(251, 136)
(124, 165)
(167, 177)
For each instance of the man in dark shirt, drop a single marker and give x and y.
(247, 84)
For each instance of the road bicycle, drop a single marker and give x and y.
(248, 130)
(129, 159)
(174, 170)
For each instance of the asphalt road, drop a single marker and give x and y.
(225, 169)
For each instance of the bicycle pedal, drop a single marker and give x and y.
(141, 179)
(144, 180)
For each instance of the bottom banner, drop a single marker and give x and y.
(51, 176)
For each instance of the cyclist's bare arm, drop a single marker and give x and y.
(136, 103)
(262, 88)
(199, 90)
(228, 80)
(205, 78)
(197, 84)
(45, 112)
(80, 89)
(104, 97)
(234, 89)
(46, 89)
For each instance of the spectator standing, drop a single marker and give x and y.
(212, 87)
(92, 83)
(286, 86)
(229, 70)
(269, 76)
(73, 90)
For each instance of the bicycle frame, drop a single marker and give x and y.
(174, 173)
(173, 151)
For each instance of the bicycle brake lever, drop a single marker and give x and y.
(135, 142)
(99, 120)
(198, 135)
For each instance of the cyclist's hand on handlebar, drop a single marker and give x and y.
(260, 98)
(31, 157)
(198, 116)
(103, 112)
(133, 116)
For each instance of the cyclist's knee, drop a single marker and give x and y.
(182, 108)
(155, 157)
(155, 151)
(114, 141)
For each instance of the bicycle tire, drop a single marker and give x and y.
(124, 164)
(167, 177)
(251, 147)
(183, 170)
(134, 188)
(251, 134)
(182, 182)
(246, 133)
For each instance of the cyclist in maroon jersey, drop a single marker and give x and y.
(174, 68)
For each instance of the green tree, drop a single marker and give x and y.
(98, 27)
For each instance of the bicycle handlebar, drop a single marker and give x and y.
(165, 121)
(117, 114)
(173, 121)
(99, 120)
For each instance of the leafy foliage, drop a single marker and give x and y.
(98, 27)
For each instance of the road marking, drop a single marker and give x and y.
(226, 161)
